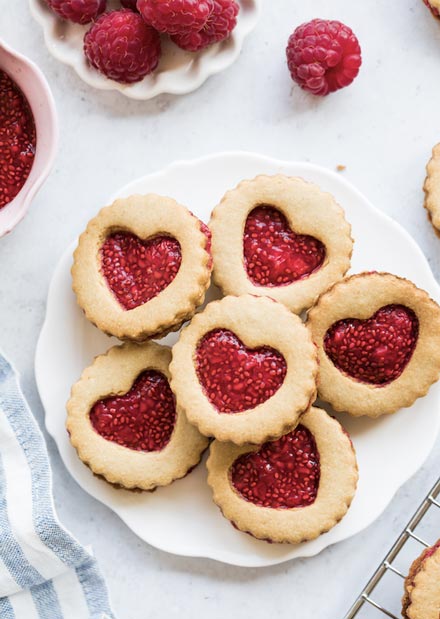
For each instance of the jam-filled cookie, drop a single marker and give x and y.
(434, 6)
(422, 586)
(244, 369)
(142, 267)
(378, 342)
(280, 237)
(123, 422)
(432, 188)
(289, 490)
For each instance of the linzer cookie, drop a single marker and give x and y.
(422, 586)
(289, 490)
(279, 237)
(244, 370)
(142, 267)
(434, 7)
(378, 343)
(432, 188)
(123, 422)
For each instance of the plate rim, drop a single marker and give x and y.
(215, 64)
(307, 551)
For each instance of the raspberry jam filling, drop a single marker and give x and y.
(434, 11)
(137, 271)
(431, 551)
(283, 474)
(17, 139)
(143, 419)
(208, 247)
(377, 350)
(274, 255)
(236, 378)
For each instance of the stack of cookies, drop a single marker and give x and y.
(246, 370)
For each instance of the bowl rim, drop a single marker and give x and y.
(18, 207)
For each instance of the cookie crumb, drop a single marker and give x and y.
(341, 168)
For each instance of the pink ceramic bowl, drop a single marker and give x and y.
(36, 90)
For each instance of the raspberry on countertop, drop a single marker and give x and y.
(323, 56)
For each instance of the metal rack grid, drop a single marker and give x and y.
(366, 597)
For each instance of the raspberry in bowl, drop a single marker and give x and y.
(28, 134)
(121, 46)
(78, 11)
(176, 16)
(218, 27)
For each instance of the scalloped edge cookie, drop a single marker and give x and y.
(308, 211)
(432, 189)
(257, 321)
(114, 373)
(337, 486)
(360, 296)
(422, 586)
(146, 217)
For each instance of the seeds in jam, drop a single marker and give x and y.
(377, 350)
(17, 139)
(236, 378)
(136, 270)
(143, 419)
(274, 255)
(282, 474)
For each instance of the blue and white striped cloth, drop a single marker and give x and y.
(44, 572)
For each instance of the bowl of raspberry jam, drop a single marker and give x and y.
(28, 135)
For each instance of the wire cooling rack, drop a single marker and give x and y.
(381, 597)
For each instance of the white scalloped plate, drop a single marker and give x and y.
(179, 72)
(182, 518)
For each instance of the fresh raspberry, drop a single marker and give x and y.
(122, 46)
(219, 26)
(78, 11)
(323, 56)
(176, 16)
(433, 10)
(129, 4)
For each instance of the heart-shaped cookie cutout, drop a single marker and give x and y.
(137, 270)
(282, 474)
(236, 378)
(376, 350)
(274, 255)
(143, 419)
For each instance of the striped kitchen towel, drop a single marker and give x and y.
(44, 572)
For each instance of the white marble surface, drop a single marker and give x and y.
(382, 128)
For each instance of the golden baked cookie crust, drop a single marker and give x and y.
(146, 217)
(359, 297)
(308, 211)
(257, 322)
(435, 4)
(337, 486)
(422, 586)
(432, 186)
(114, 374)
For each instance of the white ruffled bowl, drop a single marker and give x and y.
(179, 72)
